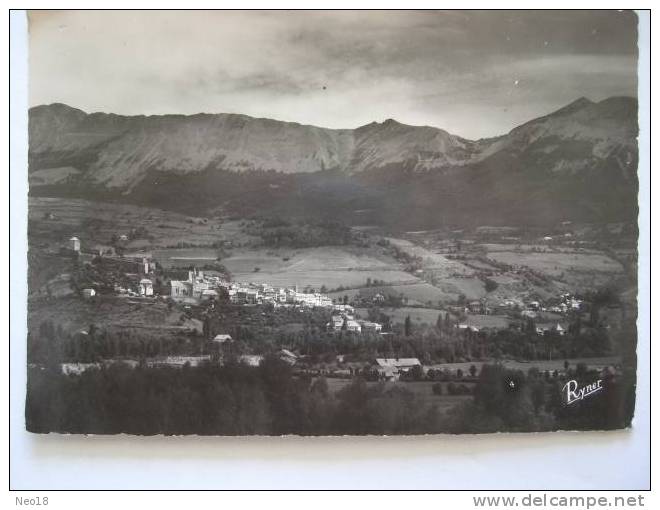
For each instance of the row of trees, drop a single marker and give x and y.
(238, 400)
(258, 333)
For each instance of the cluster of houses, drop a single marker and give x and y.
(266, 294)
(345, 321)
(567, 303)
(141, 265)
(547, 317)
(200, 286)
(388, 369)
(174, 361)
(197, 287)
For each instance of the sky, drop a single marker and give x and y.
(473, 73)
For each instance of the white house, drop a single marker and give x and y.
(251, 360)
(74, 244)
(88, 293)
(287, 356)
(335, 324)
(180, 289)
(221, 339)
(391, 368)
(146, 287)
(371, 326)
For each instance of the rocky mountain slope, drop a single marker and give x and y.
(579, 158)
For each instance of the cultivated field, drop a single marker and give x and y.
(422, 390)
(441, 265)
(417, 315)
(471, 288)
(417, 292)
(558, 364)
(330, 266)
(555, 264)
(97, 222)
(185, 257)
(74, 314)
(487, 321)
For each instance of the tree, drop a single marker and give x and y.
(473, 371)
(417, 373)
(491, 285)
(407, 327)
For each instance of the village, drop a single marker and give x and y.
(140, 277)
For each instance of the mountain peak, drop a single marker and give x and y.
(576, 105)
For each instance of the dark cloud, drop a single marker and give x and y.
(476, 73)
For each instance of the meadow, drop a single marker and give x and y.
(422, 389)
(327, 266)
(555, 264)
(417, 315)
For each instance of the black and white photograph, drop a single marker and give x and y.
(332, 223)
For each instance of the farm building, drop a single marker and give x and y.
(103, 249)
(391, 368)
(209, 294)
(74, 244)
(222, 338)
(335, 324)
(550, 327)
(179, 361)
(371, 326)
(476, 307)
(251, 360)
(88, 293)
(180, 289)
(287, 356)
(146, 287)
(78, 368)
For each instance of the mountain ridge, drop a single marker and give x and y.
(578, 159)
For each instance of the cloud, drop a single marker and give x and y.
(455, 69)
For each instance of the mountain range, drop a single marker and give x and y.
(577, 163)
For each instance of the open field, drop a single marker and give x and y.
(166, 234)
(488, 321)
(330, 266)
(398, 315)
(110, 313)
(96, 223)
(471, 288)
(186, 257)
(417, 292)
(555, 264)
(557, 364)
(441, 265)
(421, 389)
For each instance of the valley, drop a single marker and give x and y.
(398, 264)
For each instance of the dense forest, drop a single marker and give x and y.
(235, 399)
